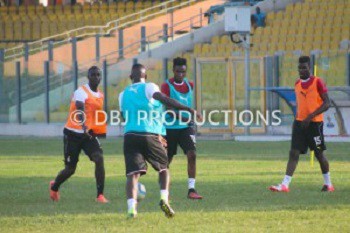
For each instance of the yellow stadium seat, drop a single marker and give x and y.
(281, 45)
(2, 32)
(138, 5)
(225, 39)
(53, 28)
(8, 30)
(197, 50)
(104, 8)
(45, 29)
(67, 10)
(61, 27)
(129, 5)
(36, 24)
(12, 10)
(215, 40)
(50, 10)
(147, 4)
(86, 8)
(205, 49)
(79, 20)
(71, 24)
(3, 10)
(17, 32)
(58, 10)
(31, 10)
(95, 9)
(88, 20)
(78, 9)
(22, 10)
(40, 10)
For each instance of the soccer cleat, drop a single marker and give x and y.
(279, 188)
(132, 213)
(327, 188)
(165, 207)
(101, 199)
(192, 194)
(54, 195)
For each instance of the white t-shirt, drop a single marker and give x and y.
(80, 94)
(151, 88)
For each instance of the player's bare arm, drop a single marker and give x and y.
(175, 104)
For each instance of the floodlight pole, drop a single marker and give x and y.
(246, 44)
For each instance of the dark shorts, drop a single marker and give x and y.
(186, 138)
(75, 142)
(142, 147)
(311, 137)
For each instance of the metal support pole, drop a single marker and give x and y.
(121, 43)
(50, 50)
(348, 69)
(276, 78)
(3, 101)
(47, 91)
(172, 25)
(75, 74)
(313, 63)
(165, 33)
(143, 39)
(74, 49)
(194, 78)
(19, 93)
(134, 61)
(268, 70)
(105, 80)
(165, 69)
(247, 81)
(26, 52)
(97, 47)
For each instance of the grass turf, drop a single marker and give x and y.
(232, 176)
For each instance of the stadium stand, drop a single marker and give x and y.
(36, 22)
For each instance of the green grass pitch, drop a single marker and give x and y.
(232, 176)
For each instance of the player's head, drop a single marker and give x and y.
(94, 76)
(258, 10)
(138, 73)
(179, 69)
(304, 67)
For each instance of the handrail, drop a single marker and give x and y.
(103, 29)
(148, 40)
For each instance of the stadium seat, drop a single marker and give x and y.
(8, 25)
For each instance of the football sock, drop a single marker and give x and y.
(287, 179)
(100, 177)
(131, 204)
(62, 177)
(164, 195)
(327, 178)
(191, 183)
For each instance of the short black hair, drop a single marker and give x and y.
(93, 68)
(137, 66)
(304, 59)
(179, 61)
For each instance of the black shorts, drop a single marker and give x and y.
(142, 147)
(75, 142)
(311, 137)
(186, 138)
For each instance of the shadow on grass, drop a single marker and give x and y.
(225, 150)
(29, 197)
